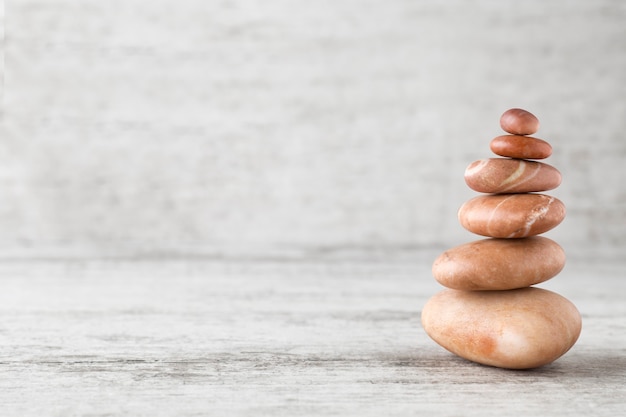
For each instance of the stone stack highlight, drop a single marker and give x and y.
(490, 312)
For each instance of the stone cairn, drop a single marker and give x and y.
(491, 313)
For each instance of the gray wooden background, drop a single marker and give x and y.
(294, 127)
(231, 207)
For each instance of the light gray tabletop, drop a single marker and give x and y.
(284, 337)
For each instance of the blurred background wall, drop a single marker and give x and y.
(286, 127)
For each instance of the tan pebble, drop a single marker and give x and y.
(504, 175)
(517, 146)
(519, 122)
(516, 329)
(511, 215)
(499, 264)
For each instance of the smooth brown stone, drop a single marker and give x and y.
(504, 175)
(511, 215)
(519, 122)
(499, 264)
(515, 329)
(523, 147)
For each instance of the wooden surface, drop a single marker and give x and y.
(340, 337)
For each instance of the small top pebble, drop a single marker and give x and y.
(519, 122)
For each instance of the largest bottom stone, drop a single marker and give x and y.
(517, 329)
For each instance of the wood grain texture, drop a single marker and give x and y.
(134, 125)
(189, 338)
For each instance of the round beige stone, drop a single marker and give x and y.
(516, 329)
(511, 215)
(499, 264)
(505, 175)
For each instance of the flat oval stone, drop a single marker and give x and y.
(504, 175)
(517, 146)
(516, 329)
(511, 215)
(519, 122)
(499, 264)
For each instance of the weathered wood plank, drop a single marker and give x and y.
(319, 338)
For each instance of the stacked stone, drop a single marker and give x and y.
(490, 312)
